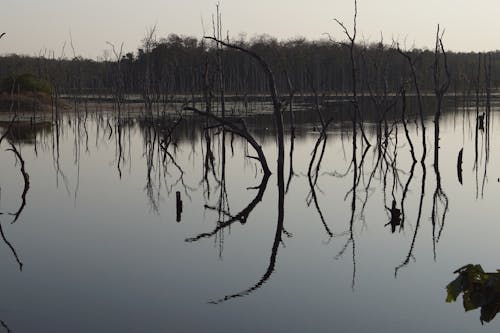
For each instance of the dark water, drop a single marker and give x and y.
(101, 249)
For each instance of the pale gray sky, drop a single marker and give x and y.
(34, 25)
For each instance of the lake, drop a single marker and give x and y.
(100, 244)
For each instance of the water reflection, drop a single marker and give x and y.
(26, 132)
(226, 219)
(15, 215)
(26, 181)
(383, 186)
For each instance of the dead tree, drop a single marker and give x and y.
(278, 118)
(357, 119)
(440, 87)
(291, 94)
(239, 128)
(411, 63)
(149, 42)
(118, 80)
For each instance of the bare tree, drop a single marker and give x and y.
(440, 87)
(354, 71)
(411, 63)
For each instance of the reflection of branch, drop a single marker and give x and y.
(26, 183)
(291, 172)
(181, 177)
(242, 216)
(11, 247)
(440, 89)
(270, 268)
(310, 176)
(355, 183)
(368, 184)
(4, 325)
(411, 63)
(405, 192)
(242, 131)
(412, 246)
(208, 164)
(277, 240)
(238, 127)
(438, 197)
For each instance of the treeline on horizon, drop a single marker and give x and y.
(187, 65)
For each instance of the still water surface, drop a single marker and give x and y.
(102, 251)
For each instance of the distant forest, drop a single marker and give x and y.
(186, 65)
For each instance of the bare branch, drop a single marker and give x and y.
(238, 127)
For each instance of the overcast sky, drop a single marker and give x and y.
(35, 25)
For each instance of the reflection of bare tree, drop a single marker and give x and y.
(239, 128)
(274, 250)
(56, 151)
(376, 84)
(440, 86)
(313, 175)
(10, 246)
(277, 238)
(241, 217)
(26, 180)
(412, 63)
(18, 213)
(356, 178)
(150, 147)
(158, 141)
(4, 325)
(439, 202)
(414, 159)
(119, 145)
(482, 126)
(439, 199)
(405, 193)
(351, 239)
(417, 225)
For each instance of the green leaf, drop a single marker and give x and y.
(480, 290)
(454, 289)
(489, 311)
(472, 300)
